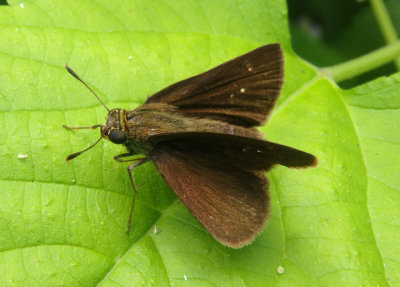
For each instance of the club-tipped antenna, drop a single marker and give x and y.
(74, 155)
(80, 80)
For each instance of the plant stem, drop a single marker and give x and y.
(385, 23)
(364, 63)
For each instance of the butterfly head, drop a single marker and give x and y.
(115, 128)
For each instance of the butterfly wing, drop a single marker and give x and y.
(231, 203)
(243, 152)
(220, 179)
(241, 91)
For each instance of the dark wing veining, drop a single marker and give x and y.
(231, 203)
(219, 178)
(241, 91)
(239, 151)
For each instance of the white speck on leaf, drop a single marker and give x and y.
(280, 269)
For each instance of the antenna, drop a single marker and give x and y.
(80, 80)
(74, 155)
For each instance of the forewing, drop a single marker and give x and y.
(241, 91)
(231, 203)
(233, 150)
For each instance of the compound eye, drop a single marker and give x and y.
(117, 136)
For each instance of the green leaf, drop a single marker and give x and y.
(63, 225)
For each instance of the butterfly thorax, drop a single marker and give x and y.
(151, 120)
(136, 128)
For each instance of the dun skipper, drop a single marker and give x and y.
(200, 134)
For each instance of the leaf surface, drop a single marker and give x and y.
(63, 225)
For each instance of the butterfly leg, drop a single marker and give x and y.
(122, 155)
(138, 161)
(130, 168)
(81, 128)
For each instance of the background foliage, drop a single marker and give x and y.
(60, 225)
